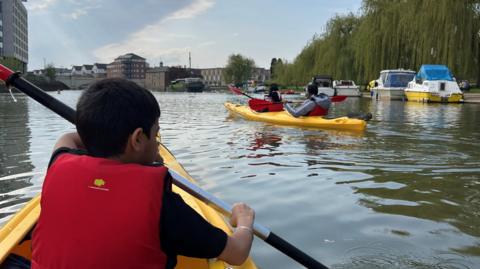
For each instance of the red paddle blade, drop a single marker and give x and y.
(5, 72)
(235, 90)
(338, 98)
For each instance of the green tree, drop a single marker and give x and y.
(239, 69)
(50, 72)
(389, 34)
(272, 67)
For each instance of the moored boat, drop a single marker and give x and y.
(188, 85)
(434, 83)
(13, 233)
(392, 83)
(324, 83)
(346, 88)
(284, 118)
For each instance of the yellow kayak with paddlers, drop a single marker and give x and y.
(13, 233)
(284, 118)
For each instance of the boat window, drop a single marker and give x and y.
(382, 77)
(323, 82)
(398, 79)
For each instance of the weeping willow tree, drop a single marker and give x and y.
(392, 34)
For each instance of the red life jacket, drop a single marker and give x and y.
(99, 213)
(318, 111)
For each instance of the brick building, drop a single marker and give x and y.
(128, 66)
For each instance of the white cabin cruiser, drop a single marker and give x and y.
(392, 83)
(434, 83)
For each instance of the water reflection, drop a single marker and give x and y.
(265, 140)
(14, 152)
(432, 115)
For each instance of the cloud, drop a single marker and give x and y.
(154, 41)
(40, 5)
(192, 10)
(82, 11)
(206, 44)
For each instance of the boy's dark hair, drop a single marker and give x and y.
(313, 89)
(109, 111)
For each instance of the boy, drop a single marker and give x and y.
(105, 205)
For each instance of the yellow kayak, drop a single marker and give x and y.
(12, 233)
(284, 118)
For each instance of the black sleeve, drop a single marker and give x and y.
(184, 232)
(63, 150)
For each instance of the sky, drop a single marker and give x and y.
(77, 32)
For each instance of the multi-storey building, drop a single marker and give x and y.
(260, 74)
(213, 76)
(128, 66)
(157, 78)
(14, 34)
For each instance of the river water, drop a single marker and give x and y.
(403, 194)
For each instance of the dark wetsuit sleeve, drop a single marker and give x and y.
(184, 232)
(63, 150)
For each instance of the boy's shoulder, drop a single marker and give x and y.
(64, 150)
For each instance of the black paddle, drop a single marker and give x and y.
(68, 113)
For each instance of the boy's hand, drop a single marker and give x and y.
(242, 215)
(69, 140)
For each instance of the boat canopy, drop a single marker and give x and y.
(398, 79)
(434, 72)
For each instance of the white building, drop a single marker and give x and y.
(87, 70)
(76, 70)
(99, 70)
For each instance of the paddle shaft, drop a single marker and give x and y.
(69, 114)
(246, 95)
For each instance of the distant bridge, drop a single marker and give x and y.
(75, 82)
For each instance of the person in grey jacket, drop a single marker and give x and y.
(309, 105)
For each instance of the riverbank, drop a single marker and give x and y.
(467, 97)
(43, 83)
(471, 97)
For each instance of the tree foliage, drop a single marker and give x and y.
(239, 69)
(50, 72)
(391, 34)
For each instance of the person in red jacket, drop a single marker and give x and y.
(105, 201)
